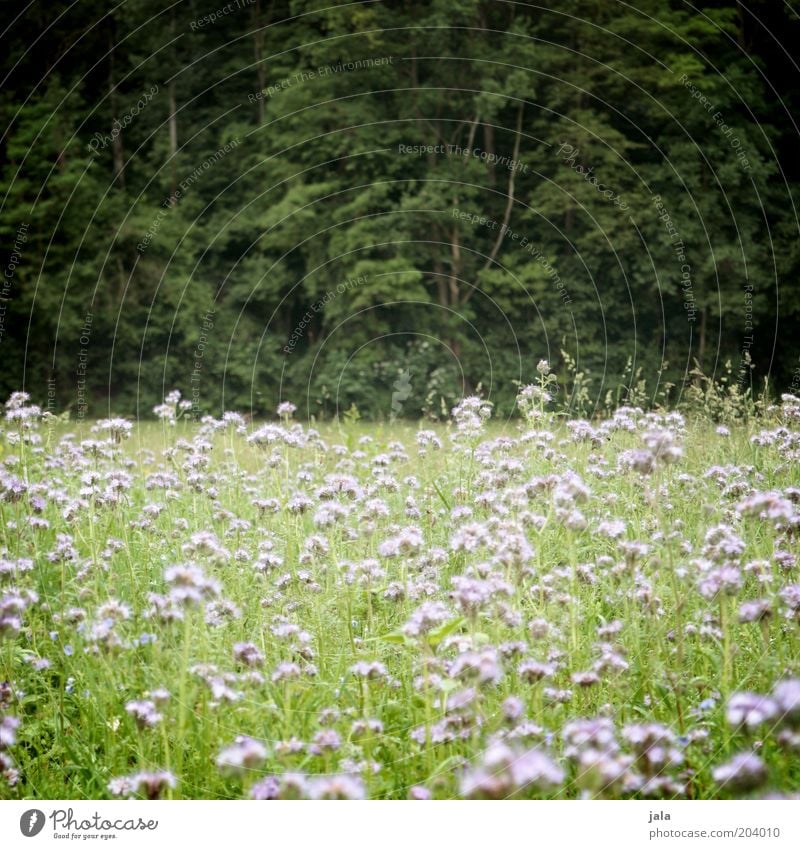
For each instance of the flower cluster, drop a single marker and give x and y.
(531, 609)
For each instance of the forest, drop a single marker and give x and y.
(382, 207)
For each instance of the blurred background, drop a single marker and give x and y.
(382, 206)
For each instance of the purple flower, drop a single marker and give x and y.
(790, 595)
(286, 671)
(337, 787)
(787, 696)
(512, 709)
(369, 670)
(419, 793)
(326, 740)
(654, 746)
(425, 618)
(504, 771)
(750, 710)
(534, 670)
(148, 784)
(585, 679)
(744, 771)
(267, 788)
(755, 611)
(144, 712)
(248, 654)
(484, 666)
(8, 731)
(245, 754)
(727, 580)
(582, 734)
(602, 773)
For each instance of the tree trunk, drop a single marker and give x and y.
(116, 145)
(455, 268)
(173, 118)
(701, 342)
(258, 50)
(488, 146)
(441, 279)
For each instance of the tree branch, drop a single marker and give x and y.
(510, 193)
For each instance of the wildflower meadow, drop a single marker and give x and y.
(541, 607)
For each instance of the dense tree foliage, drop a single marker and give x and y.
(390, 203)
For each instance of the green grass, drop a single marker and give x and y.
(75, 734)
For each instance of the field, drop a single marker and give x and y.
(546, 608)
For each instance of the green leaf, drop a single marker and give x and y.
(438, 634)
(397, 637)
(441, 494)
